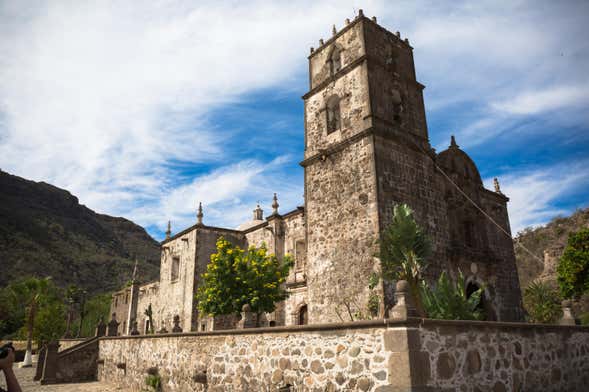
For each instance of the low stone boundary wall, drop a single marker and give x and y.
(349, 357)
(504, 356)
(381, 355)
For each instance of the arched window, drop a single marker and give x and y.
(333, 114)
(303, 315)
(335, 61)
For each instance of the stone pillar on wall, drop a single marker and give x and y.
(404, 306)
(567, 313)
(248, 318)
(134, 330)
(176, 328)
(411, 365)
(113, 326)
(100, 328)
(40, 363)
(50, 364)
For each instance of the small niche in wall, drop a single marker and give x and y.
(175, 272)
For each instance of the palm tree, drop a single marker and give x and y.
(31, 293)
(403, 251)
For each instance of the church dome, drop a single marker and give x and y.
(258, 218)
(455, 161)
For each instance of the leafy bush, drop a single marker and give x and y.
(573, 268)
(449, 301)
(95, 308)
(236, 277)
(50, 322)
(542, 303)
(154, 382)
(403, 251)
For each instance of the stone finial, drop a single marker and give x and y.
(453, 142)
(407, 41)
(275, 205)
(347, 21)
(169, 230)
(321, 42)
(113, 326)
(134, 330)
(100, 328)
(177, 328)
(258, 213)
(496, 184)
(404, 307)
(567, 313)
(333, 30)
(374, 19)
(312, 49)
(360, 12)
(199, 214)
(248, 318)
(40, 363)
(398, 34)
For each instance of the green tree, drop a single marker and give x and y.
(448, 300)
(573, 268)
(12, 315)
(542, 303)
(403, 251)
(97, 307)
(235, 277)
(50, 322)
(32, 293)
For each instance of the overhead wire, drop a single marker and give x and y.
(514, 241)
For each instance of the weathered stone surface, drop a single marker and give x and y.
(473, 362)
(446, 365)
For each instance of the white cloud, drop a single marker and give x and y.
(107, 99)
(228, 194)
(534, 102)
(534, 194)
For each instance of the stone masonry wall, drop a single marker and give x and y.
(348, 359)
(78, 363)
(175, 294)
(379, 356)
(148, 294)
(342, 231)
(478, 356)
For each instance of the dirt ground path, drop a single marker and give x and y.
(25, 379)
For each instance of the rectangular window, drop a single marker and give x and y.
(175, 269)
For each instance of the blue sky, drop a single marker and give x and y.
(142, 110)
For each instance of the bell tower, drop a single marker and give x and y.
(366, 141)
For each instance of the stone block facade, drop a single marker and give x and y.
(380, 355)
(366, 149)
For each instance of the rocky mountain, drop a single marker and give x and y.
(551, 238)
(45, 231)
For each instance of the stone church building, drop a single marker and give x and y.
(366, 148)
